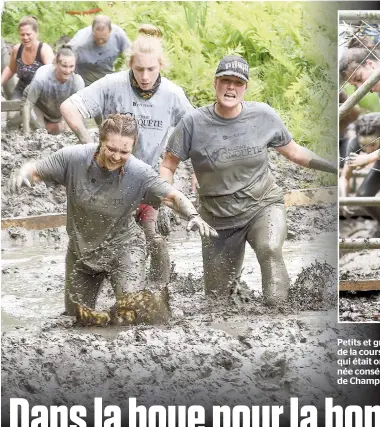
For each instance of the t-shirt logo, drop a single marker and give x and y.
(228, 154)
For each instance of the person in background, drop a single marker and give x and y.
(26, 58)
(97, 47)
(10, 85)
(367, 141)
(104, 185)
(346, 128)
(356, 65)
(157, 104)
(51, 85)
(228, 143)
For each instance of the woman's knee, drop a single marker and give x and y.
(269, 250)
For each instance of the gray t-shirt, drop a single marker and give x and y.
(230, 160)
(100, 204)
(47, 93)
(94, 61)
(114, 94)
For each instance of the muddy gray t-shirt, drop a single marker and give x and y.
(94, 61)
(100, 204)
(47, 93)
(155, 116)
(230, 160)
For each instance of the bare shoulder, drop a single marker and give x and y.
(47, 54)
(15, 48)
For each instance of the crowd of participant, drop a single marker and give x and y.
(227, 142)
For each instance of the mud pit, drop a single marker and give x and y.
(236, 351)
(361, 265)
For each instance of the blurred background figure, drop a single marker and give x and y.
(9, 86)
(365, 141)
(97, 47)
(26, 58)
(51, 85)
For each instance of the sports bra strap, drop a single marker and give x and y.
(19, 52)
(38, 56)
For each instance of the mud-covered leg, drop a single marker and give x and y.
(222, 261)
(157, 246)
(266, 236)
(134, 303)
(80, 285)
(128, 269)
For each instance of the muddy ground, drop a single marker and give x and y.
(235, 351)
(360, 265)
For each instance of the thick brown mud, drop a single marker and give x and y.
(231, 351)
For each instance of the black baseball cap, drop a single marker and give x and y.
(233, 66)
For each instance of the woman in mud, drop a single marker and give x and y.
(27, 56)
(51, 85)
(105, 183)
(227, 143)
(157, 103)
(356, 65)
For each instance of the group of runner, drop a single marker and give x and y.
(358, 63)
(227, 142)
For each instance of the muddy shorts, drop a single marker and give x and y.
(223, 255)
(146, 213)
(125, 268)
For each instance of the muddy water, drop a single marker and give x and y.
(33, 276)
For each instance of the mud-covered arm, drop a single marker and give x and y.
(169, 166)
(344, 180)
(304, 157)
(182, 205)
(29, 99)
(52, 168)
(26, 175)
(10, 69)
(177, 150)
(75, 121)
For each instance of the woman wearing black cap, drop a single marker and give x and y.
(227, 143)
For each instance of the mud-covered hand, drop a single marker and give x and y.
(163, 224)
(197, 223)
(22, 176)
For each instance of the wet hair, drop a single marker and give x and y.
(101, 21)
(64, 50)
(123, 124)
(368, 124)
(29, 20)
(149, 41)
(361, 41)
(352, 58)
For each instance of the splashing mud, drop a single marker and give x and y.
(233, 351)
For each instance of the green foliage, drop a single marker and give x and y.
(290, 47)
(54, 21)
